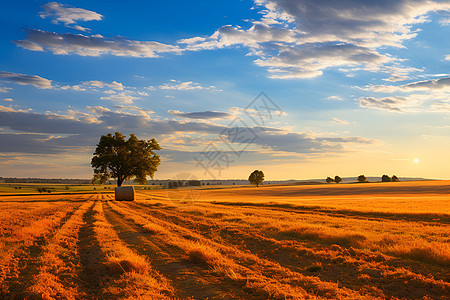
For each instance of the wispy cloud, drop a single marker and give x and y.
(68, 15)
(93, 45)
(122, 97)
(102, 84)
(4, 89)
(339, 121)
(24, 79)
(183, 86)
(202, 114)
(338, 98)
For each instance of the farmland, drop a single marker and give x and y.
(352, 241)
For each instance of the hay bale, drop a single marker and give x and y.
(124, 193)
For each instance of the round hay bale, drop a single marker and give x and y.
(124, 193)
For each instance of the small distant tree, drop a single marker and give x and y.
(385, 178)
(395, 178)
(329, 180)
(362, 179)
(337, 179)
(256, 177)
(123, 159)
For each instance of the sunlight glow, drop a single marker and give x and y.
(416, 160)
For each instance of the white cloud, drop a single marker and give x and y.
(183, 86)
(364, 23)
(68, 15)
(301, 38)
(338, 98)
(8, 99)
(4, 89)
(122, 97)
(94, 45)
(102, 84)
(447, 57)
(442, 84)
(343, 122)
(76, 87)
(440, 107)
(415, 96)
(24, 79)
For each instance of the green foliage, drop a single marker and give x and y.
(256, 177)
(362, 179)
(337, 179)
(395, 178)
(123, 159)
(329, 180)
(385, 178)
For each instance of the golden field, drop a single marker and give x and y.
(347, 241)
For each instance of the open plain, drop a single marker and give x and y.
(349, 241)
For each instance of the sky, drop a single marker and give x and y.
(297, 88)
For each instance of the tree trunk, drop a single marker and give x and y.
(119, 181)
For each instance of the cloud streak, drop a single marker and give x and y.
(202, 114)
(24, 79)
(93, 45)
(68, 15)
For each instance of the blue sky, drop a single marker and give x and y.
(353, 87)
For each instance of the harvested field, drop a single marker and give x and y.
(353, 241)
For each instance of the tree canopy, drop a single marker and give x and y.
(123, 159)
(329, 180)
(256, 177)
(362, 178)
(337, 179)
(385, 178)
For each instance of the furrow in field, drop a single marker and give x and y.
(24, 262)
(260, 275)
(131, 275)
(352, 268)
(420, 242)
(59, 266)
(433, 218)
(187, 278)
(93, 272)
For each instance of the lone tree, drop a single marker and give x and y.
(395, 178)
(329, 180)
(256, 177)
(123, 159)
(385, 178)
(337, 179)
(362, 179)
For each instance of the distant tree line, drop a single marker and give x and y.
(44, 180)
(363, 179)
(179, 183)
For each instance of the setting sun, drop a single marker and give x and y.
(416, 160)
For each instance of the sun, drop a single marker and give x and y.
(416, 160)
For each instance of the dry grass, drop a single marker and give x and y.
(371, 241)
(57, 274)
(131, 274)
